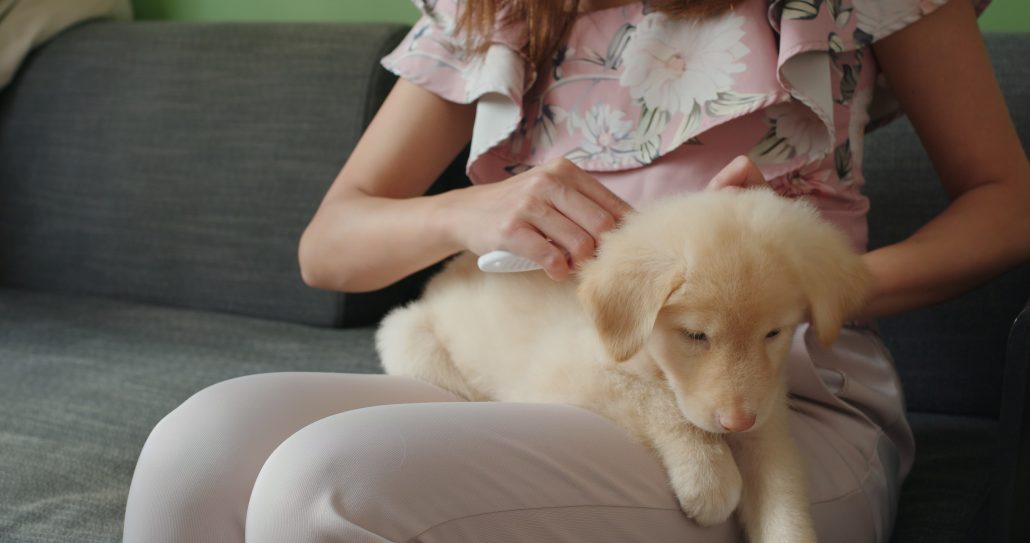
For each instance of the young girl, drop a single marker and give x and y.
(577, 111)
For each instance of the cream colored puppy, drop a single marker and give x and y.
(677, 331)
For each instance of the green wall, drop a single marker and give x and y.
(402, 11)
(1003, 15)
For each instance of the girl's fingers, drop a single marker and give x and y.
(590, 187)
(562, 232)
(588, 215)
(554, 216)
(740, 173)
(534, 246)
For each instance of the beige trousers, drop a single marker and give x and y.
(297, 457)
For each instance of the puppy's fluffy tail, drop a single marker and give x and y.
(408, 345)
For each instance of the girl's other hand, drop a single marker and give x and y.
(741, 173)
(553, 214)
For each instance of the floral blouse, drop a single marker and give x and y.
(653, 106)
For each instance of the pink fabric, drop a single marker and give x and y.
(654, 106)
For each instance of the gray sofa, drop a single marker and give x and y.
(155, 179)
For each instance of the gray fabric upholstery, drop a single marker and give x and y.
(950, 357)
(948, 489)
(175, 164)
(179, 163)
(84, 380)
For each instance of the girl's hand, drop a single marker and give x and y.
(741, 173)
(553, 214)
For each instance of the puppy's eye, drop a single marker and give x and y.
(695, 336)
(773, 333)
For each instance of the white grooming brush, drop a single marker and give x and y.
(505, 262)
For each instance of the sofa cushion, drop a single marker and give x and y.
(178, 163)
(950, 482)
(84, 380)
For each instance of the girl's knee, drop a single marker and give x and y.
(198, 441)
(206, 421)
(228, 429)
(390, 473)
(199, 464)
(330, 482)
(192, 474)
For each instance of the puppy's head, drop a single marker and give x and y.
(712, 286)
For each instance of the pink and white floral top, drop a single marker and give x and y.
(653, 106)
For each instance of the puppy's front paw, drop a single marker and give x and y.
(708, 490)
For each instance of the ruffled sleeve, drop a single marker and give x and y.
(825, 61)
(434, 57)
(814, 145)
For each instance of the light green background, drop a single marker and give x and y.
(1003, 15)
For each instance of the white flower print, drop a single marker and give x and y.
(605, 130)
(879, 18)
(811, 179)
(794, 131)
(443, 19)
(796, 124)
(677, 69)
(606, 138)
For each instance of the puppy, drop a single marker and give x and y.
(677, 331)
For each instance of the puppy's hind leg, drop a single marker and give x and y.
(408, 345)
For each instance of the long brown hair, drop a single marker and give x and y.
(548, 21)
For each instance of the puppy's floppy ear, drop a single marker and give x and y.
(622, 291)
(835, 280)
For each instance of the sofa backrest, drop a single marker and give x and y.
(950, 356)
(178, 163)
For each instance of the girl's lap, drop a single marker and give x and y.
(455, 471)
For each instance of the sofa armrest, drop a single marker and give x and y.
(1013, 465)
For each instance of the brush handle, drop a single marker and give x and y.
(505, 262)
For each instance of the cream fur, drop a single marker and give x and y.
(733, 265)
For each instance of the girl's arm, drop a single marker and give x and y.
(939, 70)
(370, 230)
(375, 227)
